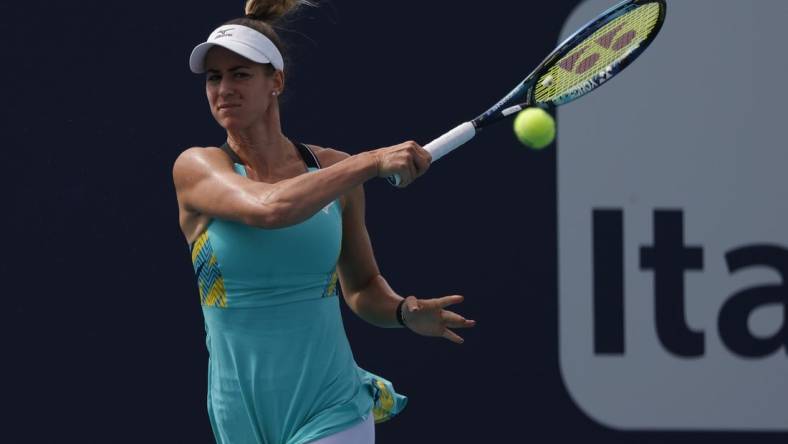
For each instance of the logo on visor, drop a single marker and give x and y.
(223, 33)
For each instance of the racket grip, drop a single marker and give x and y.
(444, 144)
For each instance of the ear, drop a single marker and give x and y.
(279, 81)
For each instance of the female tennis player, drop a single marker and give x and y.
(272, 224)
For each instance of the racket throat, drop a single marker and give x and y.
(511, 110)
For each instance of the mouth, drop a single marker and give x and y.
(227, 106)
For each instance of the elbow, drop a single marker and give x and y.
(351, 299)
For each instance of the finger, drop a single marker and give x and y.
(450, 335)
(413, 155)
(450, 300)
(427, 155)
(453, 320)
(414, 170)
(422, 158)
(422, 164)
(404, 177)
(426, 158)
(407, 173)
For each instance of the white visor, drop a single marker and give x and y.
(241, 40)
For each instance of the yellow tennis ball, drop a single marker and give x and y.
(534, 127)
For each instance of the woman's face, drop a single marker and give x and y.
(240, 92)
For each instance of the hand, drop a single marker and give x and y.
(427, 317)
(408, 159)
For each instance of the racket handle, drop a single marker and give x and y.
(444, 144)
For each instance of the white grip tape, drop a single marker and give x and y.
(445, 144)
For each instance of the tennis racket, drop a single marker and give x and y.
(583, 62)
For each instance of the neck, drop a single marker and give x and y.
(261, 146)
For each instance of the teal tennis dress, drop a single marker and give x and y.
(280, 369)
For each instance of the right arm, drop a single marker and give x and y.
(206, 183)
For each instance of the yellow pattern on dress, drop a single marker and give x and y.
(209, 281)
(384, 404)
(332, 285)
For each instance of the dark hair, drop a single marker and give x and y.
(261, 14)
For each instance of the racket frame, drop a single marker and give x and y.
(522, 96)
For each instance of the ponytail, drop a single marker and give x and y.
(271, 10)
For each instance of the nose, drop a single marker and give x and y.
(226, 88)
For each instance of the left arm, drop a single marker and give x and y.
(365, 290)
(368, 294)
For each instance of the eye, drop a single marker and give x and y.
(212, 78)
(241, 75)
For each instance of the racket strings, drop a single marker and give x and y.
(612, 43)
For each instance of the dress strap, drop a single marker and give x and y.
(309, 157)
(234, 157)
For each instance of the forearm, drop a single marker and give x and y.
(297, 199)
(376, 303)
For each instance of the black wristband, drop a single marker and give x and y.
(399, 313)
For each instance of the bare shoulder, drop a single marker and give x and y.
(328, 156)
(198, 154)
(198, 159)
